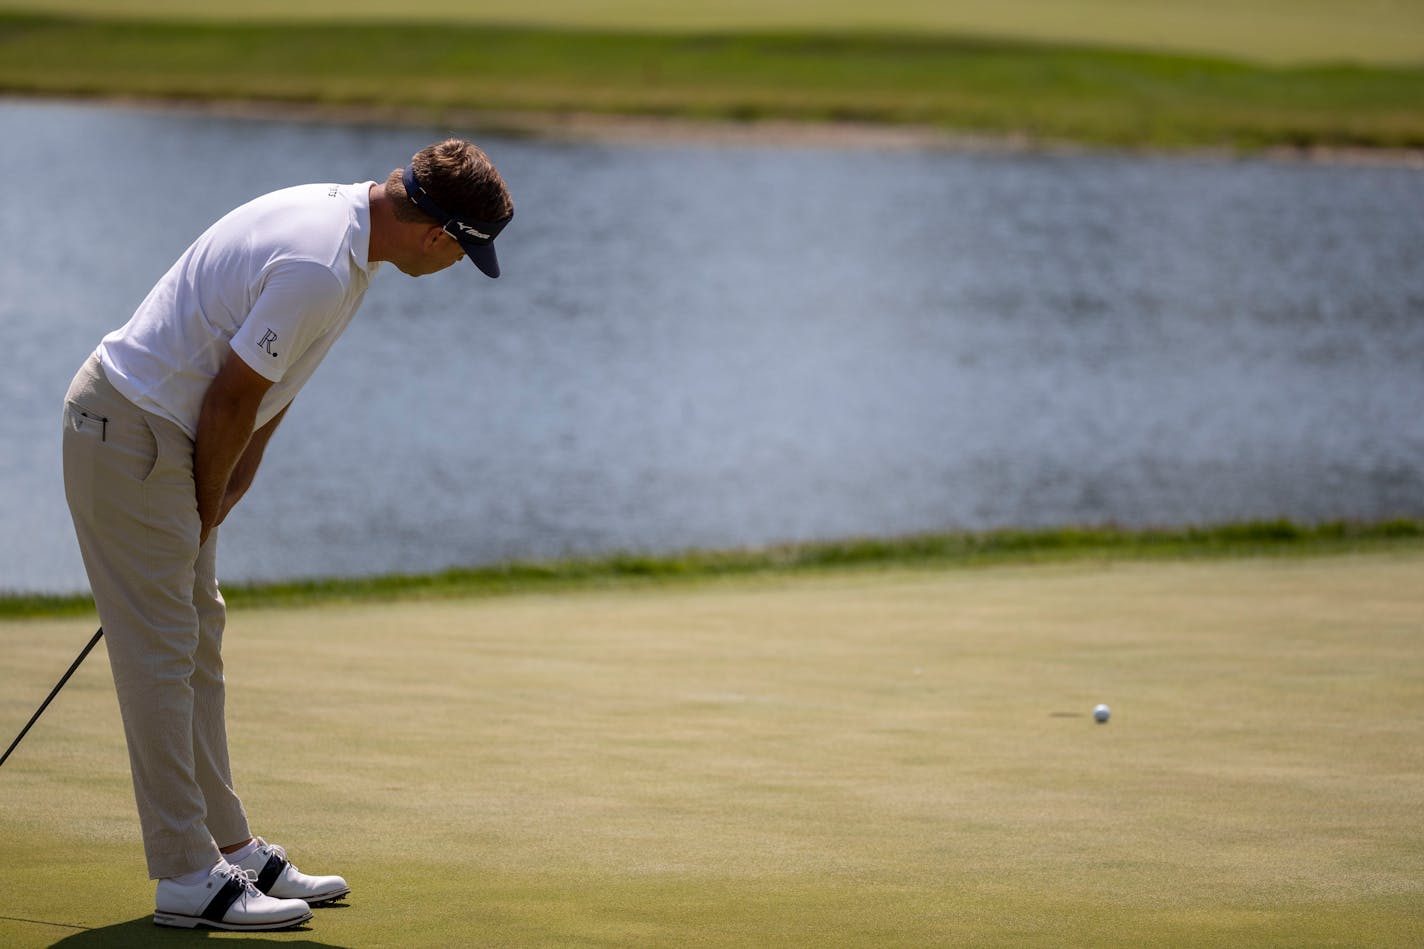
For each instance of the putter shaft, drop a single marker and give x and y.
(94, 640)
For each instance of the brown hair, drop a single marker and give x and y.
(459, 177)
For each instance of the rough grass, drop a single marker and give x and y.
(932, 551)
(1370, 31)
(876, 758)
(472, 74)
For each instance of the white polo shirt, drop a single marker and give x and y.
(277, 279)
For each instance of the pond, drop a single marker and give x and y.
(703, 346)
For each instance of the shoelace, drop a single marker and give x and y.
(248, 879)
(278, 849)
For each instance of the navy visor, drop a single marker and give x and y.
(476, 237)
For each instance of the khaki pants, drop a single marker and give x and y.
(128, 477)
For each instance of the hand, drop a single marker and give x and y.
(229, 501)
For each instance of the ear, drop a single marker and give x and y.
(431, 237)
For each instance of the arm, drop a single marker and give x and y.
(246, 468)
(225, 430)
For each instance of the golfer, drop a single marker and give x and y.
(164, 428)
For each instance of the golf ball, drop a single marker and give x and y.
(1101, 713)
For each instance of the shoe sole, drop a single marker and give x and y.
(180, 921)
(321, 899)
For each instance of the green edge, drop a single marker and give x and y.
(939, 551)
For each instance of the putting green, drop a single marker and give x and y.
(867, 758)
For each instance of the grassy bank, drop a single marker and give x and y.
(470, 74)
(1276, 31)
(933, 551)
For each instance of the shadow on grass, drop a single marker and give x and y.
(142, 932)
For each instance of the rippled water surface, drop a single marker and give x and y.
(713, 347)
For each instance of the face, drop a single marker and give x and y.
(436, 251)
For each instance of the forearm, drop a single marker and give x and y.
(224, 439)
(224, 433)
(246, 468)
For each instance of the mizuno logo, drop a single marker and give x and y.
(471, 231)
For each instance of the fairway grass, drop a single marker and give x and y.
(515, 79)
(900, 757)
(1280, 31)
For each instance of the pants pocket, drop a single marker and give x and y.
(85, 423)
(102, 452)
(152, 452)
(84, 433)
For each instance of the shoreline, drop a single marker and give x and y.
(931, 551)
(577, 127)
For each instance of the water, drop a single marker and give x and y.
(699, 346)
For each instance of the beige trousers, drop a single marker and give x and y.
(128, 477)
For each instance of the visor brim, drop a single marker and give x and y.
(483, 257)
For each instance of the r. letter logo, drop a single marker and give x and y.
(268, 338)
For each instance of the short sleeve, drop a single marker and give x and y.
(298, 302)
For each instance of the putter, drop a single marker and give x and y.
(53, 692)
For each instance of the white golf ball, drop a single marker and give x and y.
(1101, 713)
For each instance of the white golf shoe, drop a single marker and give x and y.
(277, 877)
(227, 899)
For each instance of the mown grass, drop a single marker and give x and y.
(897, 758)
(1279, 31)
(949, 550)
(470, 74)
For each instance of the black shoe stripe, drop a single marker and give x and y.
(218, 906)
(270, 873)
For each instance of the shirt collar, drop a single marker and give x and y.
(361, 218)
